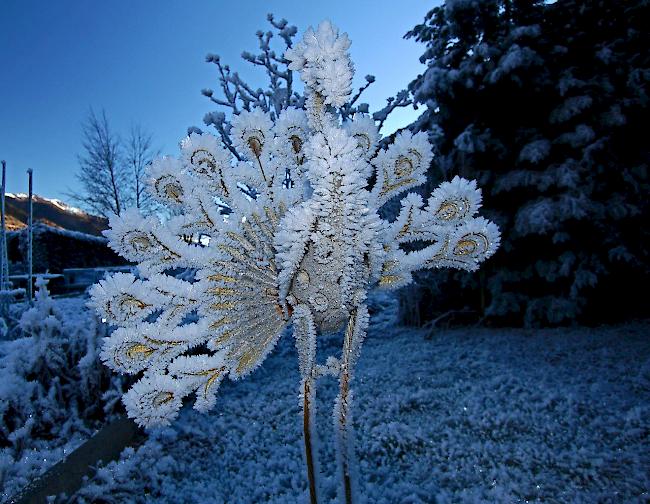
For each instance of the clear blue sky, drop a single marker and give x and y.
(143, 61)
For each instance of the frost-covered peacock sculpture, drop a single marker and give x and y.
(290, 236)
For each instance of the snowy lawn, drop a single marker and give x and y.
(470, 415)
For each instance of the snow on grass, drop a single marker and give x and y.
(469, 415)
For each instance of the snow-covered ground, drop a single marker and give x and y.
(467, 415)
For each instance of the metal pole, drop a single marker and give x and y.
(29, 243)
(4, 267)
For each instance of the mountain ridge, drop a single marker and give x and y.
(52, 212)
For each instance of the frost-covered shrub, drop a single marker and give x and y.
(545, 104)
(53, 390)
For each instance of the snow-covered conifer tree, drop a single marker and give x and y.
(543, 103)
(288, 234)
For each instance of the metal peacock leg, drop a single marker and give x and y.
(305, 334)
(354, 334)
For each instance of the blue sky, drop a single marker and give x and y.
(144, 62)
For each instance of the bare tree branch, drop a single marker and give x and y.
(237, 95)
(112, 170)
(402, 99)
(138, 154)
(348, 109)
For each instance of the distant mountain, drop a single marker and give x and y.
(52, 212)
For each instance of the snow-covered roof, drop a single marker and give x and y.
(39, 227)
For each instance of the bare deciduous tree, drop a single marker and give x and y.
(237, 95)
(138, 154)
(102, 173)
(112, 170)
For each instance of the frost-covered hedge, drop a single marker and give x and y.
(54, 393)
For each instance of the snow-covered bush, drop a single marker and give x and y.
(290, 235)
(544, 104)
(54, 392)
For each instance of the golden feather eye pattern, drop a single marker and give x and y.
(155, 399)
(207, 160)
(251, 133)
(203, 161)
(402, 166)
(363, 129)
(291, 132)
(454, 201)
(165, 185)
